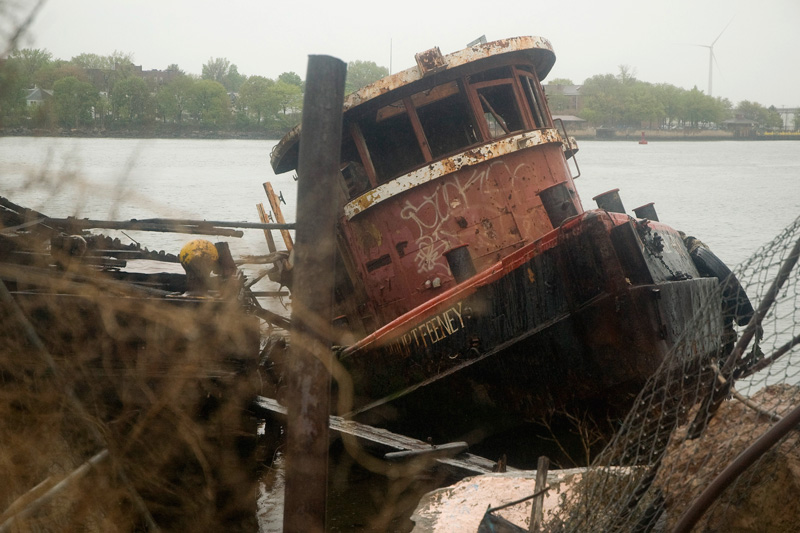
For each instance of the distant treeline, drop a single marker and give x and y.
(110, 94)
(623, 101)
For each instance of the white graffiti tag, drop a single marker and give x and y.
(431, 214)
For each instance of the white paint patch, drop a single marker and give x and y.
(445, 167)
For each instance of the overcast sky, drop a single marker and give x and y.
(757, 55)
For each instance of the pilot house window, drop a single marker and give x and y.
(391, 141)
(445, 119)
(500, 109)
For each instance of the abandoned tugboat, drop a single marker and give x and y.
(471, 280)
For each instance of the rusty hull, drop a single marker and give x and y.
(556, 324)
(491, 206)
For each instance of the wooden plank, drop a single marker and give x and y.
(307, 378)
(537, 513)
(267, 233)
(465, 464)
(274, 203)
(366, 159)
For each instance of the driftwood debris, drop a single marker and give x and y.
(464, 464)
(167, 225)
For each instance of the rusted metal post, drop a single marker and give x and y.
(308, 394)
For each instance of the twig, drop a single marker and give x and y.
(31, 507)
(515, 502)
(746, 401)
(12, 42)
(755, 407)
(764, 363)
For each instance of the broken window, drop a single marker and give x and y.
(535, 100)
(498, 102)
(391, 141)
(500, 109)
(355, 176)
(446, 119)
(443, 120)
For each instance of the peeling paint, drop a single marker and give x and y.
(449, 165)
(538, 49)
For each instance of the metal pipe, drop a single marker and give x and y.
(610, 201)
(647, 211)
(558, 203)
(308, 381)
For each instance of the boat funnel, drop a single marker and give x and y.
(610, 201)
(647, 211)
(460, 263)
(557, 202)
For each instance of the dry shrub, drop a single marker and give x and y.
(162, 383)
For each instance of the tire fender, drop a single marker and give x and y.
(736, 304)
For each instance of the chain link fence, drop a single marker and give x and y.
(700, 412)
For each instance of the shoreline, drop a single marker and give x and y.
(580, 135)
(678, 135)
(143, 134)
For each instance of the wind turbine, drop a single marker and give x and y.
(711, 57)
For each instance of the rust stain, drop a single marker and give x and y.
(430, 61)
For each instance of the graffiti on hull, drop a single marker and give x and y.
(446, 201)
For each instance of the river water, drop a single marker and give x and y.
(735, 196)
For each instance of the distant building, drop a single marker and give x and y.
(37, 96)
(105, 79)
(102, 79)
(157, 77)
(564, 99)
(741, 127)
(789, 117)
(571, 121)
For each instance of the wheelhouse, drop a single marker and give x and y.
(454, 162)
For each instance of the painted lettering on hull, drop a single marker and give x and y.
(431, 331)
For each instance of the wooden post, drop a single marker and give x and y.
(538, 502)
(308, 380)
(262, 215)
(276, 209)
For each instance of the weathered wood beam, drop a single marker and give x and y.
(308, 377)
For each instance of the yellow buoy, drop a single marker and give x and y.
(199, 257)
